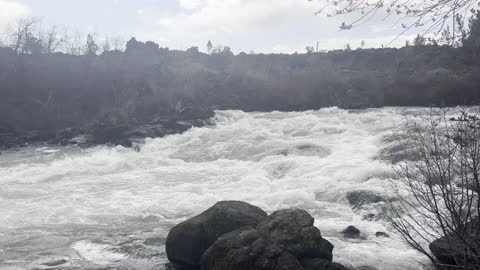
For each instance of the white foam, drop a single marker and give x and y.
(274, 160)
(98, 253)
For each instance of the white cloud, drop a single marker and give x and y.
(190, 4)
(245, 15)
(232, 22)
(140, 11)
(261, 26)
(10, 11)
(165, 22)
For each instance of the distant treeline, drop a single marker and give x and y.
(52, 91)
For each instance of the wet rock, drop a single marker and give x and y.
(280, 242)
(293, 231)
(443, 251)
(351, 232)
(370, 217)
(308, 150)
(450, 250)
(144, 131)
(362, 197)
(55, 262)
(187, 241)
(382, 234)
(124, 133)
(398, 149)
(154, 241)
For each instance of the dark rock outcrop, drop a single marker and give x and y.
(443, 251)
(351, 232)
(188, 240)
(286, 240)
(124, 134)
(451, 250)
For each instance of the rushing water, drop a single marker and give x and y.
(105, 208)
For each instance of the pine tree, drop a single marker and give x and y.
(209, 47)
(91, 47)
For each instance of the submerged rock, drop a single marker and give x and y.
(154, 241)
(281, 242)
(55, 262)
(359, 198)
(351, 232)
(187, 241)
(382, 234)
(364, 267)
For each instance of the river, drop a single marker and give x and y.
(112, 207)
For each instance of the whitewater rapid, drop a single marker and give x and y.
(68, 208)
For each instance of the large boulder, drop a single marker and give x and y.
(451, 250)
(188, 240)
(293, 231)
(443, 251)
(282, 242)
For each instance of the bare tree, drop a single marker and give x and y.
(72, 42)
(23, 36)
(106, 45)
(51, 40)
(437, 193)
(309, 49)
(419, 41)
(209, 47)
(432, 15)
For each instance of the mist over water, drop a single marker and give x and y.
(63, 208)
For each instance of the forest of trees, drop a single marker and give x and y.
(49, 83)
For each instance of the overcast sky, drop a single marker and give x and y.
(244, 25)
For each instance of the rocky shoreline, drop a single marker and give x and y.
(126, 134)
